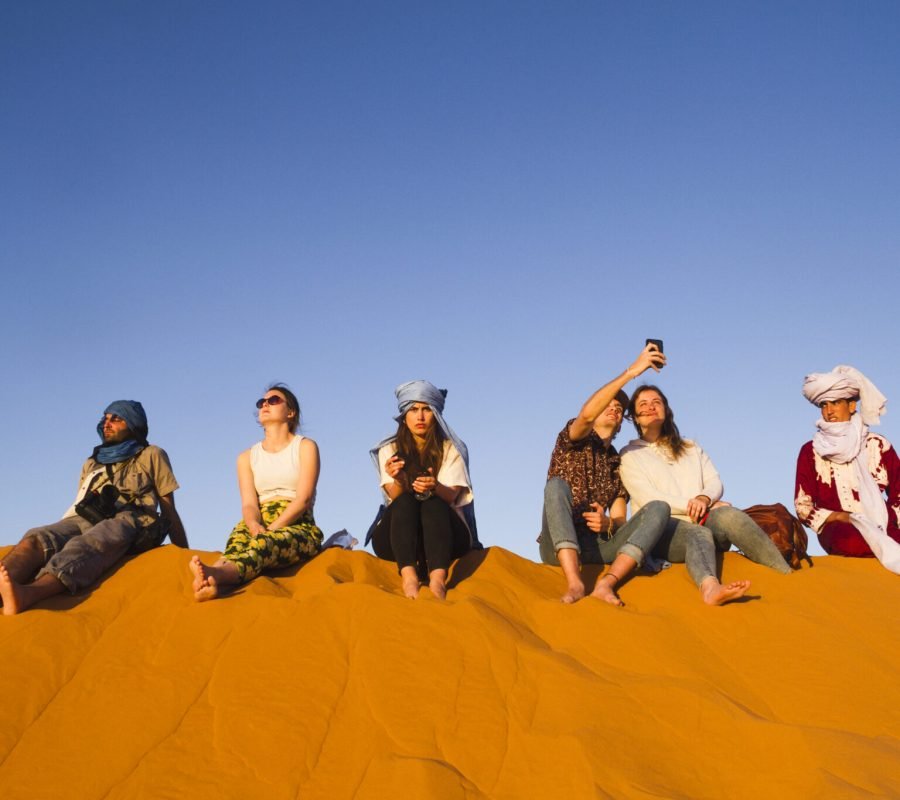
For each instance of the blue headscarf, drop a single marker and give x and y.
(136, 419)
(424, 392)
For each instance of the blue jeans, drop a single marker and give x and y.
(635, 538)
(77, 553)
(696, 545)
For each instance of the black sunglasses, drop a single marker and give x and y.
(274, 400)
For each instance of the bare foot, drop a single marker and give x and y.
(604, 590)
(716, 594)
(10, 592)
(204, 586)
(438, 588)
(199, 570)
(411, 587)
(574, 593)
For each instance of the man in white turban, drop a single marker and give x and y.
(845, 471)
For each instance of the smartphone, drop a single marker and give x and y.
(658, 344)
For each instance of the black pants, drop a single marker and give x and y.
(426, 534)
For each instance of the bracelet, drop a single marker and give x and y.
(608, 533)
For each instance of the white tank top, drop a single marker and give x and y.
(276, 474)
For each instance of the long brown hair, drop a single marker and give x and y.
(432, 455)
(669, 436)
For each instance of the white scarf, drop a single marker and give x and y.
(843, 443)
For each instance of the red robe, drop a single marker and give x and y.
(823, 487)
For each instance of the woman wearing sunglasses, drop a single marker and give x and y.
(423, 469)
(277, 479)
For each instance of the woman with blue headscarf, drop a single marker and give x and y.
(429, 519)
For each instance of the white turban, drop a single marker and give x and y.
(845, 383)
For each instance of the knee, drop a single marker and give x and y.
(727, 515)
(34, 542)
(434, 508)
(657, 509)
(730, 523)
(31, 540)
(404, 503)
(556, 490)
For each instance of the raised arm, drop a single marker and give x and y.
(649, 358)
(306, 486)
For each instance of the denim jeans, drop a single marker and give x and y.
(78, 553)
(696, 545)
(635, 538)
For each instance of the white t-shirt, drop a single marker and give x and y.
(451, 473)
(276, 474)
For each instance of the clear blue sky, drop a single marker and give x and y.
(505, 198)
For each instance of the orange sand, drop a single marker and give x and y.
(327, 683)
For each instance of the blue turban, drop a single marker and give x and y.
(419, 392)
(413, 392)
(136, 419)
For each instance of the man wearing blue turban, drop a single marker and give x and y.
(114, 514)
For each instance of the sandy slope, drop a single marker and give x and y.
(326, 682)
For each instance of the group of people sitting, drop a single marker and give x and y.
(678, 514)
(125, 503)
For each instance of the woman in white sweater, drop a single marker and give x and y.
(277, 478)
(660, 465)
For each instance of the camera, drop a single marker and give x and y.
(97, 506)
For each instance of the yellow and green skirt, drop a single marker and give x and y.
(279, 548)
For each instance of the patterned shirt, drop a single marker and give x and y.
(591, 469)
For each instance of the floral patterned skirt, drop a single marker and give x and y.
(279, 548)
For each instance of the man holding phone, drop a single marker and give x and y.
(584, 500)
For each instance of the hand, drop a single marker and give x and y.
(424, 484)
(596, 520)
(698, 508)
(256, 528)
(394, 466)
(650, 358)
(838, 516)
(720, 504)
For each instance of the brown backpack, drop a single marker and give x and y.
(784, 529)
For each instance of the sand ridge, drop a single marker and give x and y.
(324, 681)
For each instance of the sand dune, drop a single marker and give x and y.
(327, 683)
